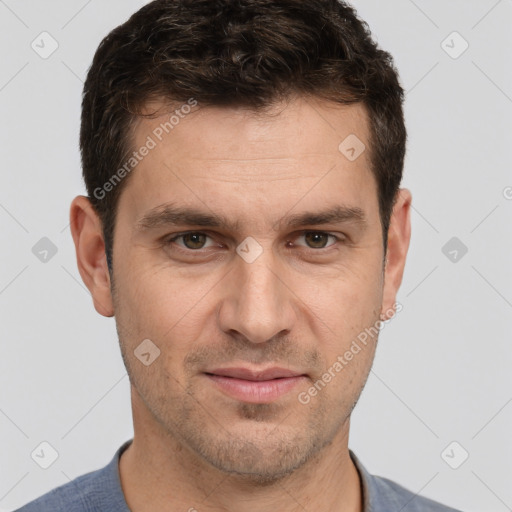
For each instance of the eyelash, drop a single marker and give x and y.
(170, 239)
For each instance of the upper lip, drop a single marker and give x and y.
(255, 375)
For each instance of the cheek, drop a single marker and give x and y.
(160, 304)
(345, 302)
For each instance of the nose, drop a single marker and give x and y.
(258, 304)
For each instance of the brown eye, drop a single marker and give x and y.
(194, 240)
(317, 240)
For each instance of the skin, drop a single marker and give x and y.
(299, 305)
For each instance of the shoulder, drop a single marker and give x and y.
(389, 495)
(95, 491)
(72, 496)
(382, 495)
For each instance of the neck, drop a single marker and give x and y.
(158, 472)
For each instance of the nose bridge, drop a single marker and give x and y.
(259, 284)
(259, 305)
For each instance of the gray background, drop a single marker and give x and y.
(442, 370)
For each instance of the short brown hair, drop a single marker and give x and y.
(236, 53)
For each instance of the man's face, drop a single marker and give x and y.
(293, 298)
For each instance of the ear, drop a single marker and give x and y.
(399, 236)
(91, 259)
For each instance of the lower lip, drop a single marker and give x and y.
(262, 391)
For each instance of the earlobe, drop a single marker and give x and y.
(399, 236)
(87, 235)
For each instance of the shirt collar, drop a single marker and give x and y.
(366, 481)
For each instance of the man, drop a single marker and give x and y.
(245, 226)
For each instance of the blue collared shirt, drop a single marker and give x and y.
(100, 491)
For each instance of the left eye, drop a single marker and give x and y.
(317, 239)
(194, 240)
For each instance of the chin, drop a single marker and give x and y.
(255, 455)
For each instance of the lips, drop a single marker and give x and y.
(254, 375)
(255, 386)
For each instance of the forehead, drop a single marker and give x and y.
(301, 151)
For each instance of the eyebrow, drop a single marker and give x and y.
(172, 215)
